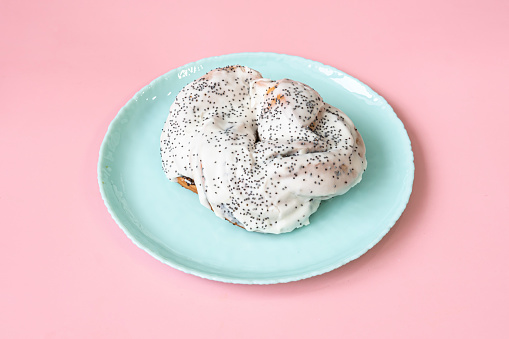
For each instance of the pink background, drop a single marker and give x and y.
(68, 271)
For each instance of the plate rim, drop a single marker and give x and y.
(406, 193)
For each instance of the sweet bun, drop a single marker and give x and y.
(262, 154)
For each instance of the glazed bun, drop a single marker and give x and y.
(262, 154)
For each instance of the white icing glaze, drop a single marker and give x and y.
(262, 153)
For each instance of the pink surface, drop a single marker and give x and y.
(68, 271)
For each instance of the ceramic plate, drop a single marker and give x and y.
(168, 221)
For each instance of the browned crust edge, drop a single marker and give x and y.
(188, 183)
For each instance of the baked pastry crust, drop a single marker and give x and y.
(189, 184)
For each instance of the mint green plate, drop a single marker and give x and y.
(168, 221)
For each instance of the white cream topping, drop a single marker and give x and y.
(262, 153)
